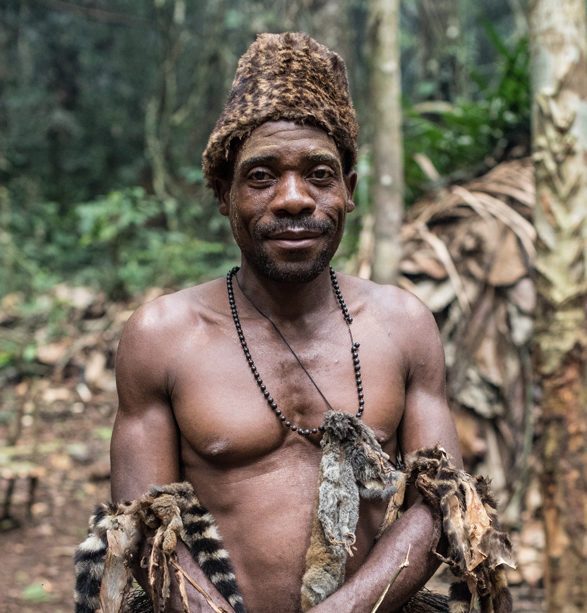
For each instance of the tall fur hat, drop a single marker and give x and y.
(284, 76)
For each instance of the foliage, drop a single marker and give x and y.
(104, 113)
(470, 135)
(126, 233)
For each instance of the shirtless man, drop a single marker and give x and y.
(190, 406)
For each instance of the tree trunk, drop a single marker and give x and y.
(559, 72)
(387, 140)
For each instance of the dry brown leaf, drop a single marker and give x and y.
(509, 265)
(57, 394)
(52, 353)
(472, 444)
(479, 396)
(523, 295)
(436, 296)
(95, 365)
(423, 262)
(487, 356)
(445, 257)
(477, 525)
(79, 297)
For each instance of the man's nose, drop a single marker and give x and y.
(293, 197)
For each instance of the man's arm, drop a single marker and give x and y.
(425, 423)
(145, 447)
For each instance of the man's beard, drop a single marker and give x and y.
(294, 271)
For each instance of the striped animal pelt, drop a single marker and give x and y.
(117, 533)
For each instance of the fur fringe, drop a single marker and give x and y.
(477, 548)
(353, 465)
(165, 513)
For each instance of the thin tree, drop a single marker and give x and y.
(558, 33)
(387, 139)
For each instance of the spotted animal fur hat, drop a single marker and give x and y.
(284, 76)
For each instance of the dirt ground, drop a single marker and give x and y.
(37, 574)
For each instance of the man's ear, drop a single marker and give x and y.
(350, 181)
(222, 190)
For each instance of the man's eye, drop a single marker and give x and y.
(259, 175)
(321, 174)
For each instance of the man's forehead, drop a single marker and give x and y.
(272, 138)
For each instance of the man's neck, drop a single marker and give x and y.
(286, 301)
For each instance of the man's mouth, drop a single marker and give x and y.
(294, 238)
(295, 234)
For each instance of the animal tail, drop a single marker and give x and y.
(459, 597)
(89, 563)
(502, 597)
(202, 538)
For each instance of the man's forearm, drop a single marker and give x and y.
(197, 602)
(416, 531)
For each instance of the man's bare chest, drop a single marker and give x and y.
(224, 416)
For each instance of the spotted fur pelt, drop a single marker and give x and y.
(353, 465)
(164, 514)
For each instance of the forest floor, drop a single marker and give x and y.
(56, 413)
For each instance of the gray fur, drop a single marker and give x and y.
(353, 466)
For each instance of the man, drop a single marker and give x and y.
(226, 384)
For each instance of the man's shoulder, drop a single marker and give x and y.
(171, 314)
(389, 302)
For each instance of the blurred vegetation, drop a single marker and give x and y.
(106, 106)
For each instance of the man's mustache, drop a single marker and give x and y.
(267, 230)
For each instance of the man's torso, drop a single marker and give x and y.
(257, 478)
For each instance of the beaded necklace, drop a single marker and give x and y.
(261, 385)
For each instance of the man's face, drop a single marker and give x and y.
(288, 200)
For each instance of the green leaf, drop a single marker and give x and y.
(35, 592)
(103, 433)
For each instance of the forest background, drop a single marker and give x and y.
(105, 108)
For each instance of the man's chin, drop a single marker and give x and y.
(291, 272)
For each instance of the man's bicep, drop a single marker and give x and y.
(143, 452)
(144, 447)
(427, 420)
